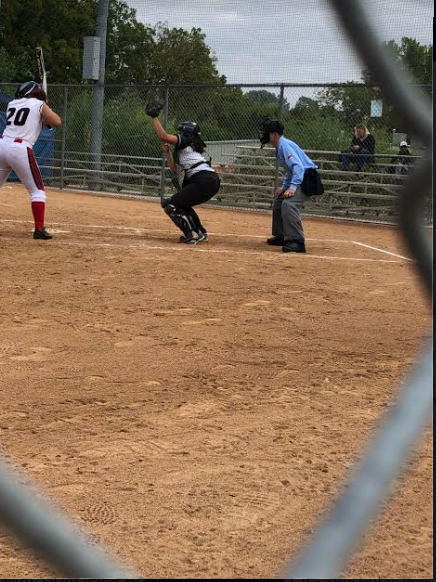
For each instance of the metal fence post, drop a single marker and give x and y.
(97, 107)
(64, 136)
(165, 124)
(281, 106)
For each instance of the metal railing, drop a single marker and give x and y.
(248, 180)
(130, 158)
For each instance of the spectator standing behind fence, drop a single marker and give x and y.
(402, 161)
(362, 149)
(300, 182)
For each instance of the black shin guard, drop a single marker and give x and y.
(181, 219)
(196, 220)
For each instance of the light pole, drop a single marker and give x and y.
(0, 22)
(98, 89)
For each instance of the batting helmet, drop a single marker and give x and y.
(26, 88)
(189, 128)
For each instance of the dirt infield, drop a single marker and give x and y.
(196, 408)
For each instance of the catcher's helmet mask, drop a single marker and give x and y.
(267, 127)
(189, 129)
(26, 88)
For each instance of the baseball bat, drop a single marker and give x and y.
(41, 68)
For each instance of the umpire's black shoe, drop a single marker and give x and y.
(275, 241)
(294, 247)
(42, 234)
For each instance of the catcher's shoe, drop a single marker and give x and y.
(202, 237)
(275, 241)
(191, 239)
(41, 234)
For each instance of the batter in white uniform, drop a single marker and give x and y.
(25, 117)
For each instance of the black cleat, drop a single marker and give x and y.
(42, 234)
(294, 247)
(191, 239)
(275, 241)
(202, 236)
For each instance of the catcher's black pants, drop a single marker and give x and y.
(200, 188)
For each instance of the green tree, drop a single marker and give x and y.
(130, 45)
(222, 112)
(56, 25)
(126, 127)
(136, 53)
(79, 121)
(8, 66)
(315, 126)
(263, 97)
(182, 56)
(352, 104)
(305, 103)
(412, 57)
(267, 98)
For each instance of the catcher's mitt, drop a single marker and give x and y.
(153, 109)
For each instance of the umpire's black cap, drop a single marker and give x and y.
(273, 126)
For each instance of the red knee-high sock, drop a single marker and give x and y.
(38, 209)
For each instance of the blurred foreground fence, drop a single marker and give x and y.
(321, 118)
(337, 536)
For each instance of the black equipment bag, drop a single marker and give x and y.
(312, 185)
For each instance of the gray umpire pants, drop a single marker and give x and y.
(286, 218)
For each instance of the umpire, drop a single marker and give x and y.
(300, 182)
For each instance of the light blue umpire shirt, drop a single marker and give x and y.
(294, 161)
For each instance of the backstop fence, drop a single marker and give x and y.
(369, 485)
(320, 118)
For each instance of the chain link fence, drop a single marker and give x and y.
(320, 118)
(124, 129)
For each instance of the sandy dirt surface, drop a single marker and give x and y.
(196, 409)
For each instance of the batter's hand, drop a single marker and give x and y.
(165, 147)
(289, 193)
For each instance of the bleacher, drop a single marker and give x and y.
(251, 177)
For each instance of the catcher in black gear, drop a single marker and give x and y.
(200, 183)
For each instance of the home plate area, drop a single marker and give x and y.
(197, 408)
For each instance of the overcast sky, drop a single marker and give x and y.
(271, 41)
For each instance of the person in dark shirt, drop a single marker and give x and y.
(361, 150)
(402, 161)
